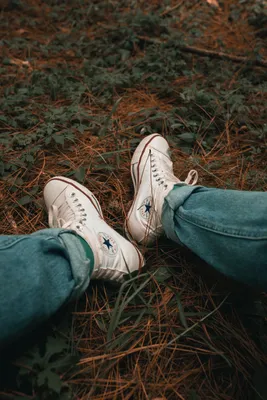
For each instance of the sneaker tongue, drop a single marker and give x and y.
(64, 211)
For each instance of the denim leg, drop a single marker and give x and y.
(38, 274)
(226, 228)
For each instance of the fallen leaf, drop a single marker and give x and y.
(213, 3)
(20, 63)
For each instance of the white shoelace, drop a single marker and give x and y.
(70, 215)
(56, 221)
(192, 175)
(160, 176)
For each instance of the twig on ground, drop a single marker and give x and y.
(171, 9)
(222, 55)
(211, 53)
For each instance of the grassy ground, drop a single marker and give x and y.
(82, 83)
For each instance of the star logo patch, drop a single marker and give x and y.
(107, 243)
(146, 208)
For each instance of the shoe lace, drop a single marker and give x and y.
(75, 214)
(160, 175)
(192, 177)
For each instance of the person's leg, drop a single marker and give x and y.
(42, 271)
(226, 228)
(38, 274)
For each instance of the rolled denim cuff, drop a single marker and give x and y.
(80, 265)
(176, 197)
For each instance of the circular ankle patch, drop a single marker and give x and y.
(107, 243)
(146, 208)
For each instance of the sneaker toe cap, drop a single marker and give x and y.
(154, 141)
(53, 189)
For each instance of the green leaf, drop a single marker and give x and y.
(107, 167)
(56, 345)
(51, 379)
(64, 362)
(181, 311)
(41, 378)
(25, 200)
(54, 382)
(187, 137)
(50, 128)
(31, 359)
(104, 129)
(81, 128)
(162, 274)
(122, 341)
(3, 118)
(59, 139)
(34, 190)
(80, 174)
(122, 302)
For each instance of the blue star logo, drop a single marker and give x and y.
(147, 206)
(107, 243)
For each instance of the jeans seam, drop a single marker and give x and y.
(219, 232)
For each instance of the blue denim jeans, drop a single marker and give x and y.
(38, 274)
(226, 228)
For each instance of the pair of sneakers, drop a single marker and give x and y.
(72, 206)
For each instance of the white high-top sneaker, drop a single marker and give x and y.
(153, 178)
(72, 206)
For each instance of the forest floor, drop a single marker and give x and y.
(82, 82)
